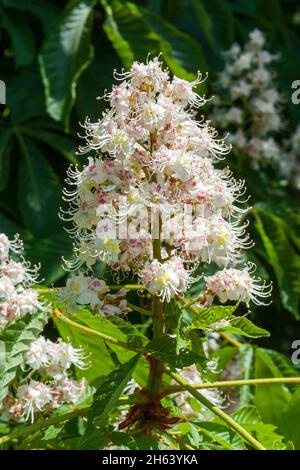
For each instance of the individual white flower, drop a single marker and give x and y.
(78, 287)
(33, 398)
(238, 285)
(20, 272)
(38, 354)
(67, 355)
(71, 390)
(165, 280)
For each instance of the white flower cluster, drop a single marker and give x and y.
(51, 361)
(88, 291)
(252, 106)
(153, 157)
(16, 277)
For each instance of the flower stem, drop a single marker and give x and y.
(141, 310)
(127, 286)
(234, 383)
(217, 411)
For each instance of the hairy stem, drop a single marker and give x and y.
(217, 411)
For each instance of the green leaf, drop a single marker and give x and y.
(223, 23)
(38, 190)
(284, 365)
(247, 365)
(266, 434)
(192, 17)
(282, 256)
(97, 356)
(165, 349)
(59, 142)
(181, 52)
(99, 76)
(17, 338)
(109, 392)
(244, 327)
(21, 35)
(25, 94)
(269, 402)
(209, 317)
(290, 419)
(123, 25)
(5, 147)
(66, 52)
(220, 434)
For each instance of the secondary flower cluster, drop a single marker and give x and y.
(252, 106)
(87, 291)
(51, 362)
(153, 159)
(16, 277)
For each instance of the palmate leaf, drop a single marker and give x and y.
(66, 52)
(39, 192)
(282, 256)
(17, 339)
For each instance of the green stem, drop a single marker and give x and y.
(217, 411)
(156, 366)
(109, 339)
(127, 286)
(235, 383)
(141, 310)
